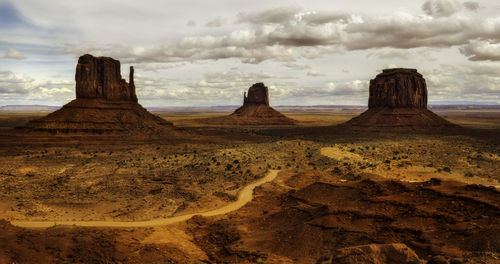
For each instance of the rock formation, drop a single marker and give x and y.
(258, 94)
(398, 100)
(373, 253)
(254, 112)
(398, 87)
(100, 78)
(104, 103)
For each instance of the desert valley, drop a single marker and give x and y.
(265, 132)
(102, 180)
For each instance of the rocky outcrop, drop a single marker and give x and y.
(398, 87)
(255, 111)
(373, 254)
(105, 103)
(398, 101)
(100, 78)
(258, 94)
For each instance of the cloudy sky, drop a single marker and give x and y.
(191, 53)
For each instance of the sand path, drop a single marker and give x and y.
(244, 196)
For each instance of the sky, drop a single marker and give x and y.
(207, 53)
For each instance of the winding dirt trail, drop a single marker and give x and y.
(244, 196)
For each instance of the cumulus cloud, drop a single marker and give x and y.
(232, 79)
(408, 31)
(15, 86)
(217, 22)
(12, 53)
(347, 92)
(441, 8)
(225, 87)
(403, 54)
(272, 16)
(295, 66)
(315, 74)
(288, 34)
(318, 18)
(470, 5)
(477, 82)
(477, 50)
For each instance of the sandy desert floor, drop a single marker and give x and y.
(436, 193)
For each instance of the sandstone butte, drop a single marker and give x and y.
(398, 101)
(105, 103)
(256, 110)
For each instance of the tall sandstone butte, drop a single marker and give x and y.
(257, 94)
(105, 103)
(100, 77)
(398, 87)
(398, 100)
(255, 111)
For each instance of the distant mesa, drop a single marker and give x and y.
(254, 112)
(398, 100)
(105, 103)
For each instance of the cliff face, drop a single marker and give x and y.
(100, 78)
(398, 88)
(258, 94)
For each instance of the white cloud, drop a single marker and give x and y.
(477, 50)
(217, 22)
(271, 16)
(190, 64)
(12, 53)
(287, 34)
(476, 82)
(441, 8)
(471, 5)
(17, 86)
(315, 73)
